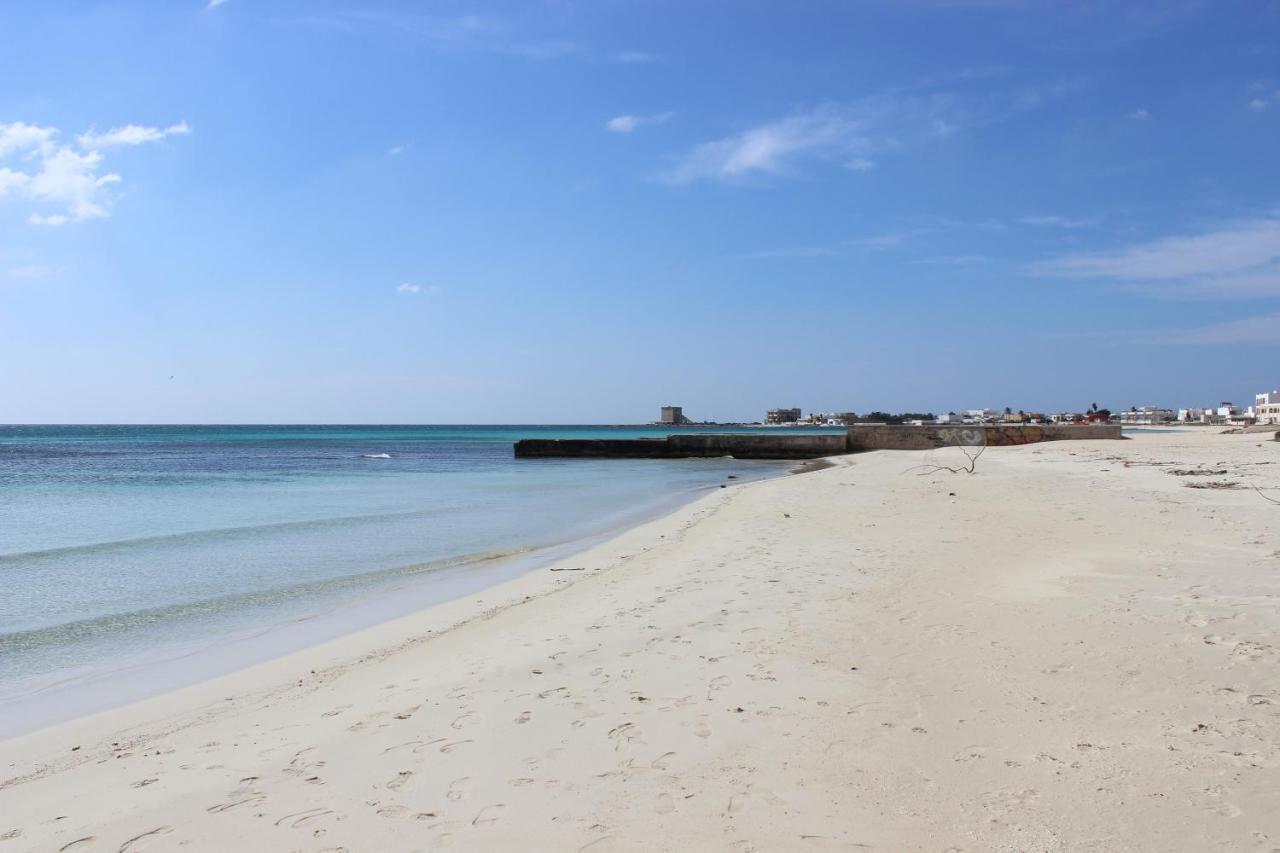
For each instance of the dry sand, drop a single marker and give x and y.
(1069, 650)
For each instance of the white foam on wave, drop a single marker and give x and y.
(375, 455)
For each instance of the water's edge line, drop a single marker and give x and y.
(532, 560)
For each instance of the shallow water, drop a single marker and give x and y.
(125, 548)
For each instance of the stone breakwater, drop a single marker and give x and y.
(857, 439)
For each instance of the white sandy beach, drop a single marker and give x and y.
(1061, 652)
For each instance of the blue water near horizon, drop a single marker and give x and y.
(123, 544)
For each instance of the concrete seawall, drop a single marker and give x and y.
(791, 446)
(739, 446)
(877, 437)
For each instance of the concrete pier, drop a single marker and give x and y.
(792, 446)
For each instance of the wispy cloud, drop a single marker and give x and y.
(213, 4)
(48, 173)
(1140, 114)
(480, 33)
(1259, 329)
(33, 271)
(410, 288)
(850, 133)
(1238, 261)
(860, 164)
(395, 149)
(1264, 100)
(889, 239)
(955, 260)
(636, 57)
(629, 123)
(1054, 221)
(131, 134)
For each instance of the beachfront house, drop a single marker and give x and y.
(1147, 415)
(1266, 409)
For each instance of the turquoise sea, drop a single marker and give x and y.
(139, 558)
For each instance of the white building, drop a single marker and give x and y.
(1266, 408)
(1147, 415)
(950, 418)
(1195, 415)
(980, 416)
(1232, 414)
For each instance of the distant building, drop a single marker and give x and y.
(1195, 415)
(831, 418)
(1235, 415)
(1267, 408)
(980, 416)
(951, 418)
(1147, 415)
(673, 415)
(782, 416)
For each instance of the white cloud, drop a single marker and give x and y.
(13, 182)
(50, 174)
(131, 134)
(411, 288)
(1140, 114)
(768, 149)
(1264, 102)
(889, 240)
(213, 4)
(851, 132)
(860, 164)
(1054, 221)
(395, 149)
(629, 123)
(20, 136)
(1239, 261)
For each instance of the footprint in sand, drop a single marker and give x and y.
(297, 819)
(78, 844)
(454, 744)
(402, 778)
(523, 718)
(138, 842)
(700, 727)
(969, 753)
(488, 814)
(625, 733)
(399, 812)
(720, 682)
(458, 789)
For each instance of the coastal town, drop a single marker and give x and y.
(1265, 411)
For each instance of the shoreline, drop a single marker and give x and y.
(28, 706)
(1069, 650)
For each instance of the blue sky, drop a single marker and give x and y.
(340, 211)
